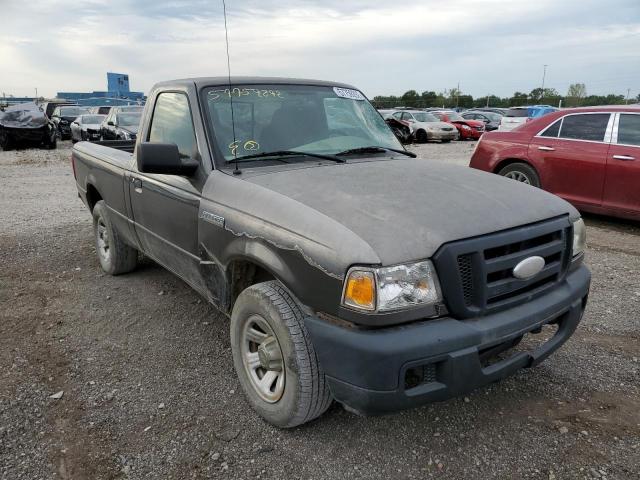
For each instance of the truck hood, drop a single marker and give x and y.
(406, 209)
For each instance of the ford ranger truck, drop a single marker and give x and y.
(350, 270)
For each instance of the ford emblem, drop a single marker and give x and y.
(528, 268)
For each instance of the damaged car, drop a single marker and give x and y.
(62, 118)
(86, 127)
(350, 270)
(26, 124)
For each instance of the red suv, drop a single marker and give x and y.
(472, 129)
(588, 156)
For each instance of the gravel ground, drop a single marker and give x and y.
(149, 391)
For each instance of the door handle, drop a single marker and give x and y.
(624, 157)
(546, 149)
(137, 184)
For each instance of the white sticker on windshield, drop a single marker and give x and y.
(348, 93)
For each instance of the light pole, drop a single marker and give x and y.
(544, 75)
(628, 93)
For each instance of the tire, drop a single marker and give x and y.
(115, 256)
(53, 144)
(299, 393)
(521, 172)
(421, 136)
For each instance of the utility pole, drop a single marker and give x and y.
(628, 93)
(544, 75)
(458, 94)
(487, 100)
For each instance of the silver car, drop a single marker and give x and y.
(427, 127)
(86, 127)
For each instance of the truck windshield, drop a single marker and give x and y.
(313, 119)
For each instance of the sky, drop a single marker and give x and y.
(383, 48)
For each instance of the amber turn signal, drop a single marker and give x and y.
(360, 290)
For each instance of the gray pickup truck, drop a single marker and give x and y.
(350, 270)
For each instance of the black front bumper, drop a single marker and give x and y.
(366, 369)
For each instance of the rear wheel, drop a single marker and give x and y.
(521, 172)
(274, 358)
(115, 256)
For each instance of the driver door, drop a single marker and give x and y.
(165, 207)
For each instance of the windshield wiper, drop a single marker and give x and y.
(286, 153)
(376, 149)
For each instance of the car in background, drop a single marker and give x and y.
(50, 106)
(121, 124)
(386, 112)
(467, 129)
(516, 116)
(588, 156)
(499, 111)
(63, 116)
(101, 110)
(26, 124)
(491, 120)
(86, 127)
(426, 126)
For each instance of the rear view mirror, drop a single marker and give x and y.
(163, 158)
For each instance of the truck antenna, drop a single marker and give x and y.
(236, 171)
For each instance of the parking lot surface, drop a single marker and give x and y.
(149, 391)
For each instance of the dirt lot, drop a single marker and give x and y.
(150, 392)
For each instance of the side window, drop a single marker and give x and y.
(407, 116)
(172, 123)
(585, 126)
(629, 129)
(552, 130)
(397, 115)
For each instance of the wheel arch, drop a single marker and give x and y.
(93, 196)
(509, 161)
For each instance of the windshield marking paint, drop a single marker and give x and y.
(243, 92)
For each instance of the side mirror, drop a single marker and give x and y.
(110, 123)
(163, 158)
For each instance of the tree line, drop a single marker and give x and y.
(576, 97)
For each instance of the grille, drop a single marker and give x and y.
(477, 274)
(466, 277)
(447, 129)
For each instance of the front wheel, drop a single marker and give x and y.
(115, 256)
(521, 172)
(421, 136)
(274, 358)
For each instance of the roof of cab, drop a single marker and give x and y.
(201, 82)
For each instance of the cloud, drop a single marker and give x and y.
(493, 46)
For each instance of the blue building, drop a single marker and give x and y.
(118, 93)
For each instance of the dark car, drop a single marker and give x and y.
(51, 105)
(349, 270)
(101, 110)
(26, 124)
(499, 111)
(121, 124)
(62, 118)
(491, 120)
(588, 156)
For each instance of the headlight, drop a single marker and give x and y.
(126, 136)
(579, 237)
(466, 127)
(391, 288)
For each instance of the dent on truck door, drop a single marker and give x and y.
(165, 207)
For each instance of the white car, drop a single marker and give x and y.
(514, 117)
(426, 127)
(86, 127)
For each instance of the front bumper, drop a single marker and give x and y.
(452, 135)
(366, 369)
